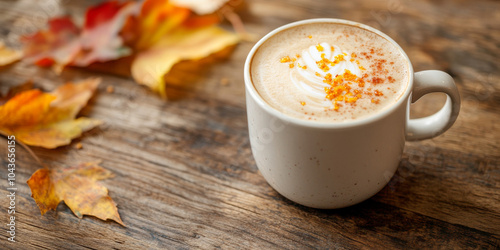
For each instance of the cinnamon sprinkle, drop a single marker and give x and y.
(340, 86)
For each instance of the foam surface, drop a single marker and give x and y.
(299, 90)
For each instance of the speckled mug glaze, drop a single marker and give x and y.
(334, 165)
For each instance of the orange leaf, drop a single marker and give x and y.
(25, 109)
(150, 66)
(156, 19)
(48, 119)
(78, 187)
(196, 21)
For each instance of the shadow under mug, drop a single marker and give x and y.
(304, 161)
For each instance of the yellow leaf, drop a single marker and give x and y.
(78, 187)
(55, 134)
(8, 56)
(151, 65)
(48, 119)
(158, 18)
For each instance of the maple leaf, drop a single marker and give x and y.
(155, 19)
(65, 44)
(7, 55)
(150, 66)
(78, 187)
(58, 45)
(100, 38)
(48, 119)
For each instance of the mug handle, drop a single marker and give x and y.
(426, 82)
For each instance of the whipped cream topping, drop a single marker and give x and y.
(309, 75)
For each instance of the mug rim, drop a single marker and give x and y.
(252, 91)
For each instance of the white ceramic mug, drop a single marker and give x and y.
(334, 165)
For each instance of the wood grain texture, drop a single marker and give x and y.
(185, 175)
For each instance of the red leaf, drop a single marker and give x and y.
(58, 44)
(101, 38)
(101, 13)
(45, 62)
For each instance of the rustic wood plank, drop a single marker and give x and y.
(186, 178)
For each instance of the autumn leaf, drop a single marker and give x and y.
(168, 34)
(156, 19)
(16, 90)
(48, 119)
(151, 65)
(58, 45)
(78, 187)
(7, 55)
(100, 39)
(154, 34)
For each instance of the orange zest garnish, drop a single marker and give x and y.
(285, 59)
(336, 106)
(338, 59)
(322, 64)
(339, 88)
(325, 62)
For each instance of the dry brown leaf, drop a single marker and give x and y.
(78, 187)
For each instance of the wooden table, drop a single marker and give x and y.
(185, 175)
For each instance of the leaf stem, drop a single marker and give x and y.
(33, 155)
